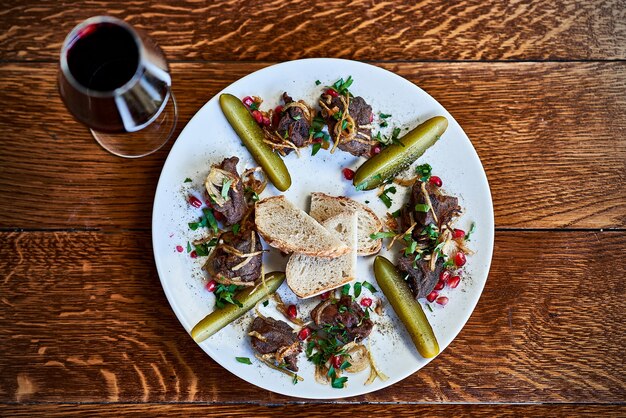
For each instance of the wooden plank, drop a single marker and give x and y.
(550, 137)
(83, 319)
(364, 30)
(314, 410)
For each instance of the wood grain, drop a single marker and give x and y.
(363, 30)
(83, 319)
(551, 138)
(315, 410)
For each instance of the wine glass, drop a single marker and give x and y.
(115, 80)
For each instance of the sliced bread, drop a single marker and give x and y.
(309, 276)
(284, 226)
(324, 206)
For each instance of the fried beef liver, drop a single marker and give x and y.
(277, 338)
(362, 114)
(235, 206)
(293, 125)
(446, 207)
(223, 262)
(420, 279)
(346, 314)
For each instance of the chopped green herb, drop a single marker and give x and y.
(236, 228)
(422, 207)
(318, 123)
(267, 302)
(411, 248)
(212, 222)
(369, 287)
(254, 106)
(431, 230)
(342, 309)
(424, 170)
(380, 235)
(383, 115)
(337, 115)
(384, 196)
(429, 307)
(345, 290)
(383, 124)
(202, 250)
(449, 264)
(345, 365)
(225, 187)
(342, 86)
(357, 289)
(188, 247)
(225, 294)
(317, 82)
(253, 195)
(316, 148)
(395, 136)
(339, 382)
(396, 214)
(244, 360)
(187, 180)
(367, 202)
(471, 231)
(294, 379)
(297, 117)
(344, 125)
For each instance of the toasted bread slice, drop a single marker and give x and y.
(284, 226)
(309, 276)
(324, 206)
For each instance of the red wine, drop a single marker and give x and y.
(103, 57)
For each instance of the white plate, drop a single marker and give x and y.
(208, 138)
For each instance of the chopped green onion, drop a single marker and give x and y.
(422, 207)
(369, 287)
(345, 290)
(380, 235)
(384, 115)
(244, 360)
(357, 289)
(225, 187)
(316, 148)
(471, 231)
(188, 247)
(187, 180)
(411, 248)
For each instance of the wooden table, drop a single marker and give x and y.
(539, 87)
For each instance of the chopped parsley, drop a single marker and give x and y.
(345, 290)
(207, 220)
(188, 247)
(422, 207)
(297, 117)
(383, 124)
(431, 230)
(369, 287)
(317, 82)
(384, 115)
(341, 86)
(294, 379)
(244, 360)
(225, 187)
(396, 214)
(380, 235)
(267, 302)
(386, 141)
(316, 148)
(429, 307)
(254, 106)
(471, 231)
(424, 170)
(384, 196)
(253, 195)
(225, 294)
(187, 180)
(236, 228)
(410, 249)
(357, 289)
(204, 249)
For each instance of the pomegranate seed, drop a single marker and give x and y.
(375, 150)
(435, 181)
(291, 311)
(335, 361)
(179, 248)
(247, 101)
(218, 216)
(195, 202)
(439, 285)
(325, 295)
(458, 233)
(432, 296)
(193, 254)
(459, 259)
(332, 92)
(442, 300)
(367, 302)
(444, 276)
(258, 116)
(266, 121)
(278, 109)
(304, 334)
(454, 281)
(210, 286)
(348, 174)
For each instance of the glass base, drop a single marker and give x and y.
(143, 142)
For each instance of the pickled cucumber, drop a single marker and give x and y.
(252, 136)
(248, 297)
(406, 307)
(397, 157)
